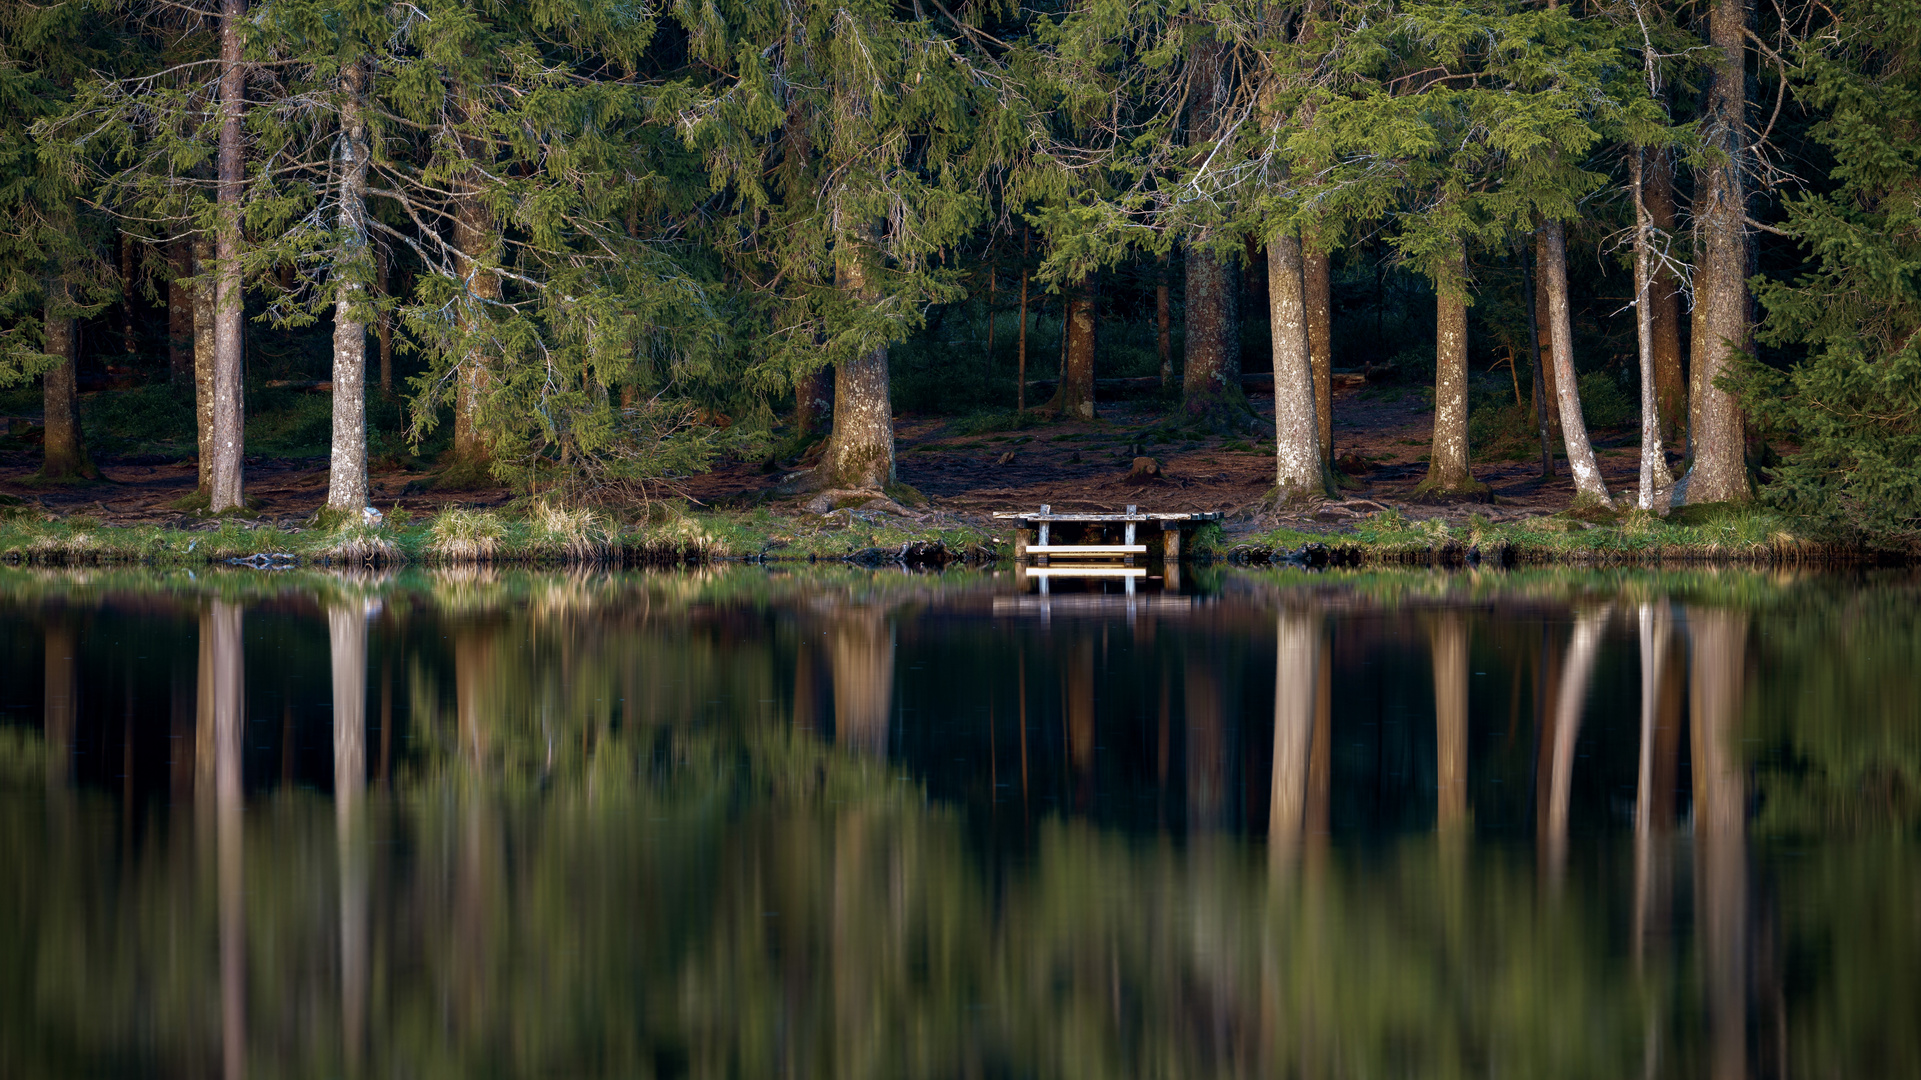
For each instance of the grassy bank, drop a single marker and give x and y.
(537, 534)
(1705, 534)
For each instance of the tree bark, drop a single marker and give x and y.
(1298, 470)
(1588, 482)
(229, 328)
(1020, 372)
(1544, 333)
(203, 359)
(1211, 375)
(1665, 302)
(814, 402)
(993, 275)
(1316, 275)
(65, 447)
(1721, 325)
(384, 285)
(1075, 396)
(474, 237)
(1655, 480)
(347, 468)
(1447, 465)
(1542, 399)
(180, 299)
(129, 281)
(861, 453)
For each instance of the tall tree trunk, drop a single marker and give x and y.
(1721, 325)
(1020, 373)
(347, 469)
(180, 313)
(1164, 338)
(814, 402)
(229, 439)
(384, 284)
(203, 359)
(993, 276)
(129, 282)
(1075, 396)
(474, 237)
(65, 448)
(1655, 480)
(1298, 469)
(1665, 301)
(1316, 276)
(1588, 481)
(1542, 399)
(1211, 372)
(861, 453)
(1544, 333)
(1447, 466)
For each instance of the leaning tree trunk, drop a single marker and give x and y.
(1298, 470)
(1664, 302)
(1544, 335)
(180, 313)
(203, 362)
(347, 469)
(1074, 398)
(229, 338)
(1721, 295)
(1655, 480)
(1588, 482)
(1542, 399)
(861, 453)
(65, 448)
(1447, 467)
(1316, 274)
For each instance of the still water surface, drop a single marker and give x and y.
(838, 823)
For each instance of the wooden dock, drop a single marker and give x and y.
(1034, 538)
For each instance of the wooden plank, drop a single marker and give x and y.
(1085, 571)
(1087, 549)
(1099, 518)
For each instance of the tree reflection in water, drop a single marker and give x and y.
(622, 839)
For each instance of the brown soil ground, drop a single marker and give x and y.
(1069, 465)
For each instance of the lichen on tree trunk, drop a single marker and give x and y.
(65, 448)
(1447, 469)
(203, 362)
(1298, 470)
(1721, 329)
(1316, 274)
(861, 452)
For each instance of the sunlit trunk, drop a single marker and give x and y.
(1447, 470)
(347, 467)
(861, 453)
(1721, 330)
(861, 652)
(1588, 482)
(1717, 670)
(1316, 275)
(1655, 480)
(229, 316)
(228, 694)
(1568, 708)
(1298, 469)
(347, 633)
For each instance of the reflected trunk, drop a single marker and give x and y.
(61, 707)
(1296, 692)
(347, 629)
(1206, 752)
(1447, 640)
(228, 700)
(1720, 829)
(1565, 732)
(861, 653)
(1653, 804)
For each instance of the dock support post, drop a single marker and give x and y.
(1171, 542)
(1022, 537)
(1127, 533)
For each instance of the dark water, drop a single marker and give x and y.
(851, 824)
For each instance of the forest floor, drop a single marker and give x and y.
(1381, 434)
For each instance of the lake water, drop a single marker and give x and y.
(836, 823)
